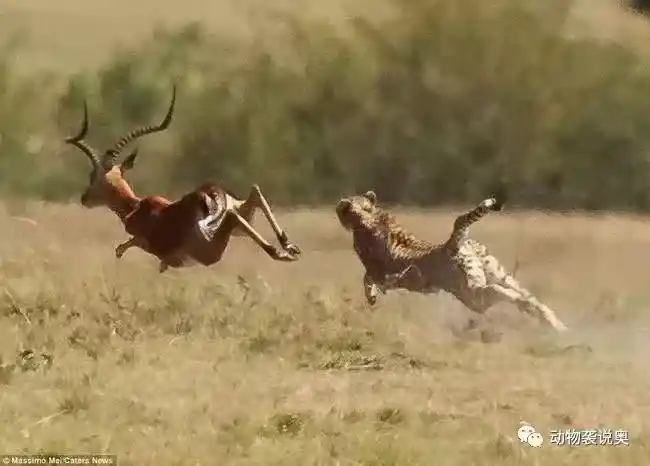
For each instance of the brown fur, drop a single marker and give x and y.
(195, 228)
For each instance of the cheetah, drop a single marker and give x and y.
(395, 259)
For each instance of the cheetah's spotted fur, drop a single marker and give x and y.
(394, 258)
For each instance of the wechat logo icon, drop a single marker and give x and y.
(528, 434)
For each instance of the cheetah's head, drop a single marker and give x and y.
(357, 211)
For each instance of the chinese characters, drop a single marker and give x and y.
(579, 437)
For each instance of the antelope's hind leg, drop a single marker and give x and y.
(273, 252)
(257, 200)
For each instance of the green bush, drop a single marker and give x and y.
(446, 101)
(642, 6)
(23, 129)
(133, 89)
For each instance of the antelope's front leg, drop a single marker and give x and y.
(133, 242)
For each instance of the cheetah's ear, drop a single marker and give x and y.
(371, 196)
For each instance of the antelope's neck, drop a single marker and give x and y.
(122, 202)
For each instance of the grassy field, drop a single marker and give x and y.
(254, 362)
(258, 362)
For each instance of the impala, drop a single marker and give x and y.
(194, 229)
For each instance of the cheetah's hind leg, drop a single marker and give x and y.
(504, 287)
(521, 298)
(528, 303)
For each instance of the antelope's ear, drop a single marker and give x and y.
(371, 196)
(129, 161)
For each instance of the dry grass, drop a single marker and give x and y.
(609, 20)
(71, 35)
(256, 362)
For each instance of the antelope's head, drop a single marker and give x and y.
(106, 183)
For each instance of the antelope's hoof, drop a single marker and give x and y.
(284, 256)
(119, 251)
(292, 249)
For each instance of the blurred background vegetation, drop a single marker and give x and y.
(438, 102)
